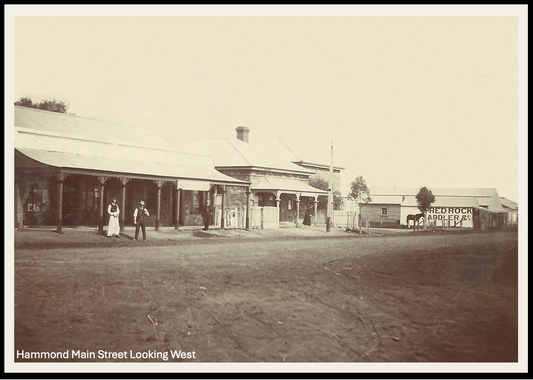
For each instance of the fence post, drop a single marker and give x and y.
(347, 219)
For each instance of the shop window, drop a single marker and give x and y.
(384, 211)
(198, 201)
(265, 200)
(38, 198)
(151, 198)
(96, 199)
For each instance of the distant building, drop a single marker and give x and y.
(453, 208)
(279, 179)
(68, 168)
(322, 171)
(512, 211)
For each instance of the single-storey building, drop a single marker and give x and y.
(279, 179)
(322, 172)
(476, 208)
(68, 168)
(512, 211)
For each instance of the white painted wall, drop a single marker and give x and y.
(406, 210)
(449, 217)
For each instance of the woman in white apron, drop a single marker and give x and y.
(114, 226)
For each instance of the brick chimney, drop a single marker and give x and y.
(242, 133)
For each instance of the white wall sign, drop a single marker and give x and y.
(189, 184)
(451, 216)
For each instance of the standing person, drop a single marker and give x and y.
(206, 215)
(307, 217)
(139, 219)
(113, 229)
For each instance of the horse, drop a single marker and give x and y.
(415, 218)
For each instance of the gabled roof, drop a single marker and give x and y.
(444, 202)
(389, 200)
(509, 203)
(443, 192)
(269, 152)
(452, 197)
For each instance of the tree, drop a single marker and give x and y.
(424, 199)
(360, 193)
(52, 105)
(25, 102)
(323, 184)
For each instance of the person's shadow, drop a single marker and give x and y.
(125, 236)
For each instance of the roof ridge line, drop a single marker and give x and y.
(84, 117)
(70, 136)
(238, 151)
(288, 147)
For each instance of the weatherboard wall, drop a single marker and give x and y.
(373, 214)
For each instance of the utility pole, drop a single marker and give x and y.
(330, 193)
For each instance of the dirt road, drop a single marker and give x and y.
(423, 298)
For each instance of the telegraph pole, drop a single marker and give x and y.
(330, 193)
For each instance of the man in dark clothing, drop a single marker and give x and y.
(308, 213)
(139, 219)
(206, 215)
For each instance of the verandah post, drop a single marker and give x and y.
(248, 193)
(178, 199)
(159, 184)
(123, 181)
(60, 178)
(316, 209)
(222, 222)
(297, 208)
(102, 181)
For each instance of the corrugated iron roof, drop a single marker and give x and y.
(287, 184)
(126, 165)
(88, 128)
(263, 152)
(509, 203)
(315, 165)
(390, 200)
(484, 196)
(67, 141)
(493, 209)
(443, 192)
(444, 202)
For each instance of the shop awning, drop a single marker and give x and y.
(494, 210)
(286, 185)
(126, 166)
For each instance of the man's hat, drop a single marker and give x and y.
(141, 203)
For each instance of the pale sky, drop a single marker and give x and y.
(408, 101)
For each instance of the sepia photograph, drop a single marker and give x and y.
(266, 188)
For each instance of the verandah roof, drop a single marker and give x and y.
(125, 166)
(286, 184)
(495, 210)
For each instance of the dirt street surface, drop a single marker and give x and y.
(426, 297)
